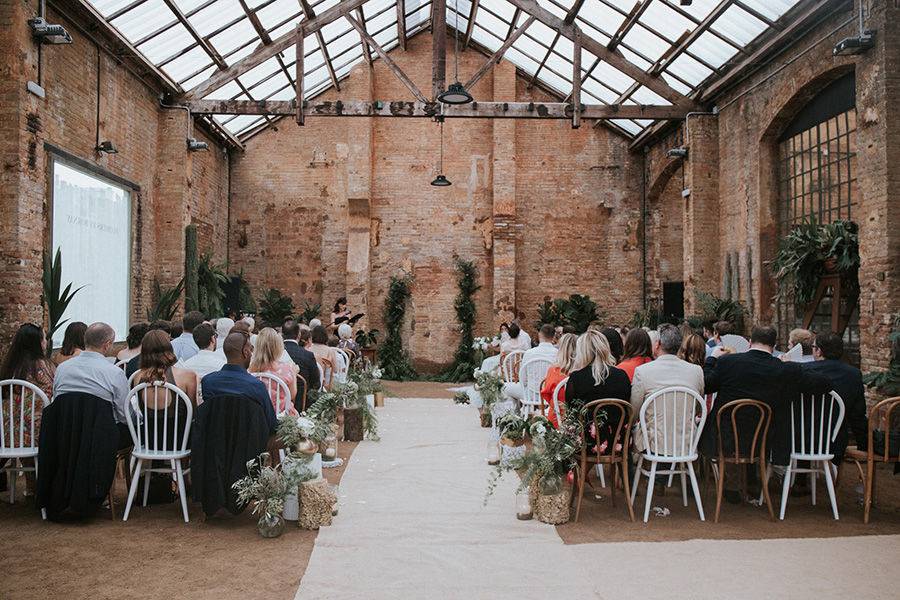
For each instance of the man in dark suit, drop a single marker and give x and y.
(295, 342)
(755, 375)
(847, 381)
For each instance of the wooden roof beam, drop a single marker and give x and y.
(496, 56)
(633, 17)
(389, 63)
(573, 12)
(470, 23)
(365, 47)
(537, 71)
(310, 14)
(401, 23)
(257, 26)
(685, 41)
(438, 48)
(203, 42)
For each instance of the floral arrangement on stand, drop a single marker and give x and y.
(266, 487)
(513, 429)
(490, 387)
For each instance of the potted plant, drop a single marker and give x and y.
(513, 427)
(267, 487)
(366, 341)
(811, 250)
(490, 387)
(359, 415)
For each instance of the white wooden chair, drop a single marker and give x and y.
(122, 364)
(814, 416)
(147, 448)
(531, 374)
(13, 447)
(509, 366)
(133, 377)
(675, 435)
(560, 387)
(278, 391)
(321, 376)
(343, 366)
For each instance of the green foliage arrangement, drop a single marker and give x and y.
(713, 308)
(490, 387)
(56, 298)
(809, 251)
(367, 377)
(310, 311)
(888, 382)
(392, 357)
(246, 303)
(264, 485)
(291, 430)
(210, 279)
(577, 311)
(165, 302)
(191, 268)
(461, 398)
(275, 307)
(367, 339)
(512, 426)
(464, 359)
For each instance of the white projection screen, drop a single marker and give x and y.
(92, 227)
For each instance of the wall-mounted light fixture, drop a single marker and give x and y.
(196, 145)
(677, 153)
(856, 44)
(106, 147)
(47, 33)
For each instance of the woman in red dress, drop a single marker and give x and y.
(565, 359)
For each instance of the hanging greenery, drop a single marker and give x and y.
(275, 307)
(165, 302)
(391, 355)
(464, 360)
(210, 278)
(191, 266)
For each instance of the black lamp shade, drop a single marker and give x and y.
(455, 94)
(440, 181)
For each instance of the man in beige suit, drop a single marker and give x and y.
(666, 370)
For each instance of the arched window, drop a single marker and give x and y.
(817, 179)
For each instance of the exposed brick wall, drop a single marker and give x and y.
(541, 209)
(175, 187)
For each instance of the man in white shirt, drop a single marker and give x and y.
(223, 326)
(184, 345)
(207, 360)
(545, 350)
(91, 373)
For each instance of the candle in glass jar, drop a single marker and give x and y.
(330, 453)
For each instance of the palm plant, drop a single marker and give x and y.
(55, 298)
(275, 307)
(210, 278)
(165, 305)
(310, 311)
(713, 308)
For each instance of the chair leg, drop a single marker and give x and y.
(182, 492)
(764, 471)
(625, 484)
(720, 490)
(867, 500)
(112, 504)
(650, 481)
(786, 488)
(812, 486)
(683, 486)
(582, 476)
(637, 479)
(133, 489)
(601, 476)
(613, 470)
(696, 487)
(147, 483)
(826, 466)
(12, 475)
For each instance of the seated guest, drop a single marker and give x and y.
(709, 334)
(693, 350)
(26, 360)
(266, 354)
(756, 375)
(638, 351)
(325, 354)
(545, 350)
(654, 340)
(593, 378)
(559, 370)
(90, 373)
(296, 343)
(234, 379)
(136, 333)
(135, 363)
(345, 335)
(207, 359)
(313, 323)
(492, 363)
(805, 339)
(666, 370)
(223, 328)
(238, 327)
(615, 343)
(518, 340)
(720, 329)
(158, 364)
(847, 381)
(73, 342)
(184, 344)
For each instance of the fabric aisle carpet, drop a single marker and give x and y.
(412, 525)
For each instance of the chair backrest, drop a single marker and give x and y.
(763, 414)
(556, 399)
(509, 366)
(531, 373)
(322, 383)
(621, 425)
(176, 404)
(133, 377)
(122, 364)
(881, 418)
(278, 390)
(13, 418)
(676, 428)
(340, 369)
(302, 389)
(814, 425)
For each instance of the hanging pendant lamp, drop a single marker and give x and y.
(456, 93)
(441, 180)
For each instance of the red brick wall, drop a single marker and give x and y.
(175, 186)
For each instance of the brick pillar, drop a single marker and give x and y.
(701, 209)
(173, 198)
(503, 174)
(878, 181)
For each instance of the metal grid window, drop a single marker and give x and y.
(818, 181)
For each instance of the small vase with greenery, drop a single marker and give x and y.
(266, 487)
(490, 386)
(513, 428)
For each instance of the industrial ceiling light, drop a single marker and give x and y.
(106, 147)
(46, 33)
(856, 44)
(685, 2)
(196, 145)
(441, 180)
(456, 93)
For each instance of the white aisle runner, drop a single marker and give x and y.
(412, 525)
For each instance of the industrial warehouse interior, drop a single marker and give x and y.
(338, 299)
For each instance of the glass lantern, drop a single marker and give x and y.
(523, 505)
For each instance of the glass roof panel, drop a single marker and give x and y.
(664, 20)
(216, 15)
(187, 64)
(278, 11)
(199, 78)
(167, 43)
(501, 7)
(712, 49)
(651, 45)
(144, 19)
(688, 69)
(772, 9)
(234, 37)
(739, 25)
(108, 7)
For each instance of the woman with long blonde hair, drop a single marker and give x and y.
(266, 358)
(564, 364)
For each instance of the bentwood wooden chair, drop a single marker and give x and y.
(615, 454)
(302, 390)
(880, 420)
(756, 451)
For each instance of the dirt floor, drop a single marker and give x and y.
(154, 555)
